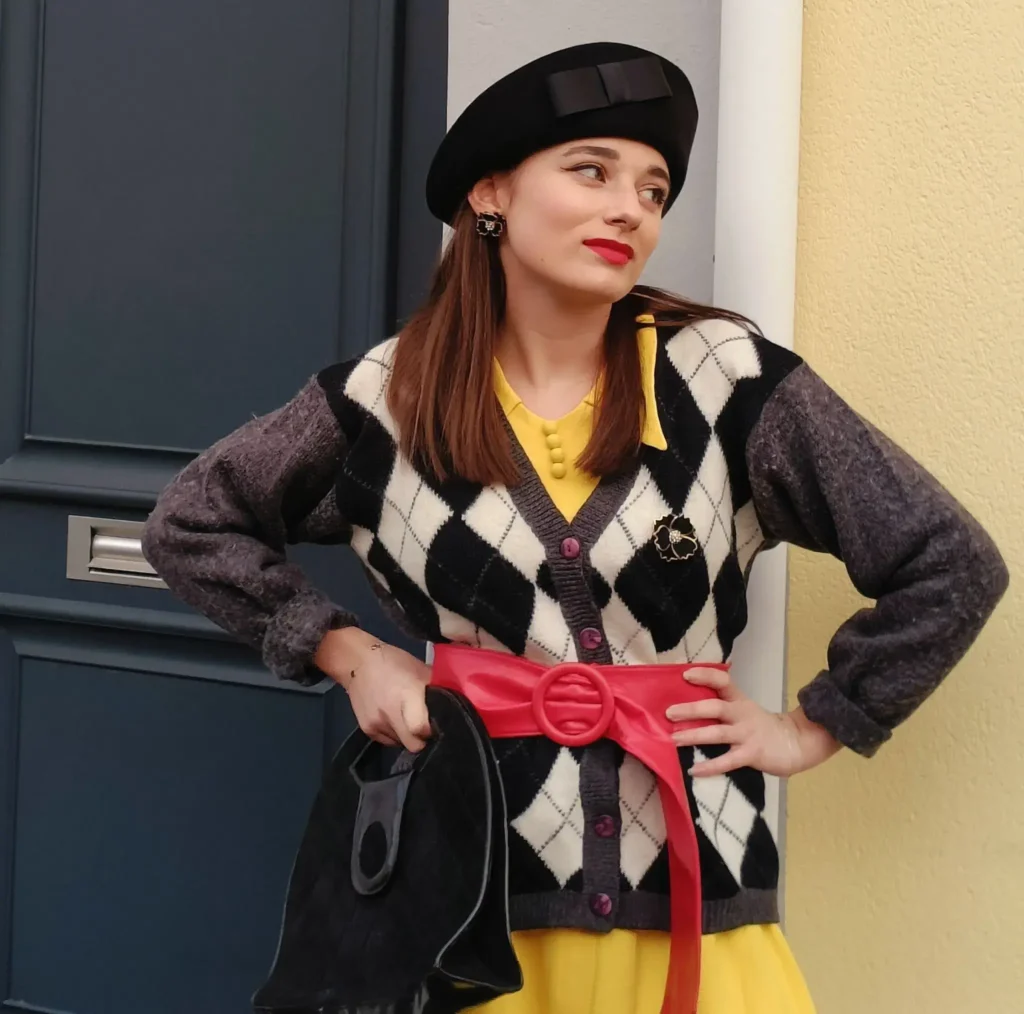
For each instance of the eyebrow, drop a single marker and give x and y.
(611, 153)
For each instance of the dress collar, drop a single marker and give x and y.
(647, 340)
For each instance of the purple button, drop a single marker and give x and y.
(601, 904)
(591, 638)
(570, 548)
(604, 827)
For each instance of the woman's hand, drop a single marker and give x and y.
(776, 744)
(386, 686)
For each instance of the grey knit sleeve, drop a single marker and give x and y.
(218, 533)
(824, 478)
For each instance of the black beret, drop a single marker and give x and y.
(601, 89)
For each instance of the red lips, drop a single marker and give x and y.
(614, 253)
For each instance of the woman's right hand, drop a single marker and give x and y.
(386, 685)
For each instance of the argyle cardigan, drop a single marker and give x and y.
(760, 451)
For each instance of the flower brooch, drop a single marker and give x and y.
(675, 538)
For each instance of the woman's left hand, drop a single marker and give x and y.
(776, 744)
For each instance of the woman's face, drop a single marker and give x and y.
(583, 216)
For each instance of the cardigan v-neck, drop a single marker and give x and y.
(554, 446)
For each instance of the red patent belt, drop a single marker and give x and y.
(575, 704)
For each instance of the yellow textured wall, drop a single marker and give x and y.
(905, 874)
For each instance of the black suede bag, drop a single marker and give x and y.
(398, 899)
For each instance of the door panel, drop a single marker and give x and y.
(190, 191)
(201, 204)
(155, 827)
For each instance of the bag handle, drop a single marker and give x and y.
(381, 804)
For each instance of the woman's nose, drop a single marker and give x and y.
(624, 209)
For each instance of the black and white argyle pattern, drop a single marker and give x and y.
(691, 611)
(459, 558)
(735, 843)
(464, 565)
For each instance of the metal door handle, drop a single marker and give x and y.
(108, 551)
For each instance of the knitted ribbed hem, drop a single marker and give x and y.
(825, 705)
(751, 907)
(294, 633)
(638, 910)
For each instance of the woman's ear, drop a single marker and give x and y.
(486, 196)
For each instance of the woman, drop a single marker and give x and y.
(554, 464)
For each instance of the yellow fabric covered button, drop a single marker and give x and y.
(554, 440)
(548, 428)
(558, 470)
(557, 454)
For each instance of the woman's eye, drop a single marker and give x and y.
(656, 194)
(592, 172)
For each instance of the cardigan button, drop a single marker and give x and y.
(591, 638)
(604, 827)
(601, 904)
(570, 548)
(558, 470)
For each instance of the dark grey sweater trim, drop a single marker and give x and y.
(751, 907)
(295, 631)
(569, 909)
(639, 910)
(575, 598)
(599, 797)
(824, 703)
(597, 513)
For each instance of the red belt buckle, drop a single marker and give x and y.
(596, 680)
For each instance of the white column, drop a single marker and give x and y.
(755, 260)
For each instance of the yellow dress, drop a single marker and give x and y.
(749, 970)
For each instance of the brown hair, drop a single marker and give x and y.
(441, 392)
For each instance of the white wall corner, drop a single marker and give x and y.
(755, 265)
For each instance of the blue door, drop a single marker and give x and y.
(202, 202)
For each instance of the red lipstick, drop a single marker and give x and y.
(614, 253)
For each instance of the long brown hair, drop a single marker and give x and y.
(441, 392)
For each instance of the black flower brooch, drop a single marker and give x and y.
(675, 538)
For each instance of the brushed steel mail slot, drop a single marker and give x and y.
(108, 551)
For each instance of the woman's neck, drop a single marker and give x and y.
(551, 353)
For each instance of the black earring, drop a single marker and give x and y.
(488, 224)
